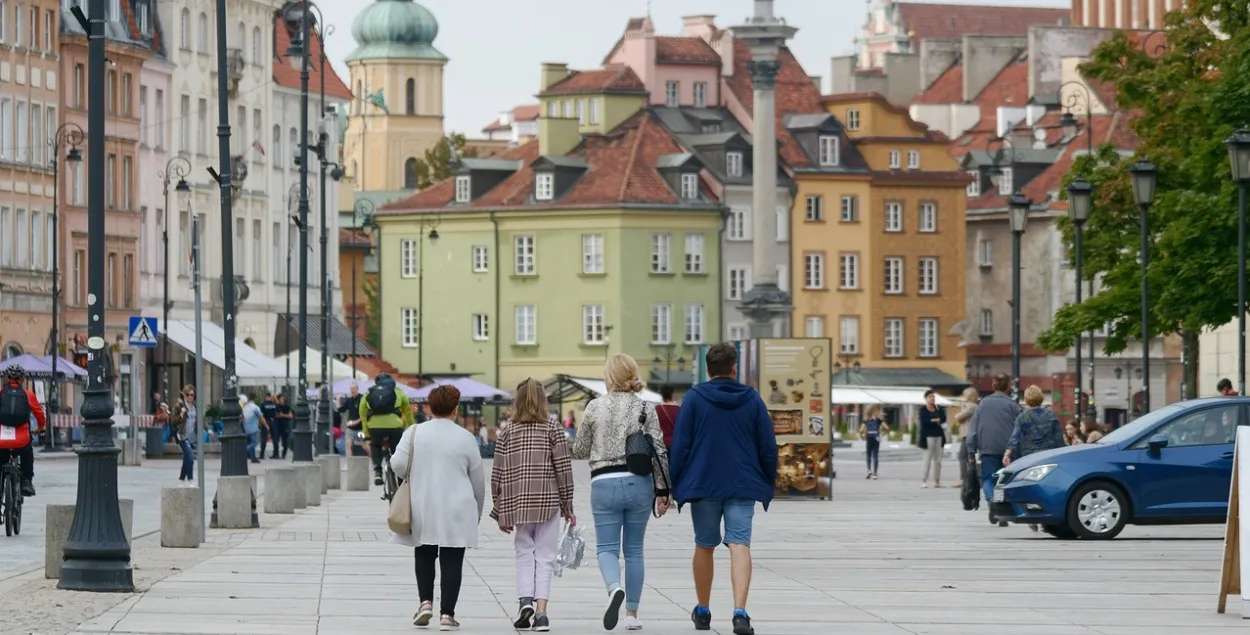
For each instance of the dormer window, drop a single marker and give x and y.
(690, 187)
(974, 187)
(710, 128)
(733, 164)
(895, 160)
(544, 186)
(829, 151)
(463, 190)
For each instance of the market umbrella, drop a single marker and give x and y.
(40, 367)
(470, 390)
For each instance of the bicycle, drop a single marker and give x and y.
(390, 483)
(11, 496)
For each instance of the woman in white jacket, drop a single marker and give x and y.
(441, 462)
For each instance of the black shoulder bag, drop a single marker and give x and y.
(640, 454)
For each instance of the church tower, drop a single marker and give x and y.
(397, 80)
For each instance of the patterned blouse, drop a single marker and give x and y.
(532, 477)
(1036, 429)
(607, 422)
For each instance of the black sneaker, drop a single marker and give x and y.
(541, 623)
(28, 488)
(702, 619)
(524, 612)
(613, 613)
(377, 478)
(742, 625)
(993, 520)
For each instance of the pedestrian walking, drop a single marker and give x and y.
(617, 430)
(1035, 430)
(871, 431)
(724, 462)
(667, 412)
(252, 417)
(570, 425)
(186, 418)
(1072, 434)
(441, 463)
(963, 419)
(932, 438)
(282, 433)
(531, 484)
(269, 412)
(992, 425)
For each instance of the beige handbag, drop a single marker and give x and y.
(399, 515)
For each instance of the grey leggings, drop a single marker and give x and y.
(933, 458)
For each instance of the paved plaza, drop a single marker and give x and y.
(884, 557)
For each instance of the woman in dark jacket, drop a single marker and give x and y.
(1037, 429)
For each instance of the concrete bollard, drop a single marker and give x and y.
(180, 517)
(234, 502)
(310, 474)
(359, 472)
(59, 520)
(332, 471)
(281, 485)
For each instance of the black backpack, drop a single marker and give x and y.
(14, 407)
(381, 400)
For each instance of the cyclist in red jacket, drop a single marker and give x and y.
(18, 407)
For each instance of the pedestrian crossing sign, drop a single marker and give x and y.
(143, 331)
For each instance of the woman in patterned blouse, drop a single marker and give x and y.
(531, 485)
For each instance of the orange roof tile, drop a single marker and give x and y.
(353, 238)
(796, 94)
(948, 88)
(520, 113)
(927, 21)
(685, 50)
(611, 79)
(285, 75)
(1009, 88)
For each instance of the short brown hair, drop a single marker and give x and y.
(1033, 396)
(530, 404)
(721, 359)
(1002, 382)
(444, 400)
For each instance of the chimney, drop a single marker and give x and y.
(553, 72)
(700, 26)
(818, 81)
(557, 136)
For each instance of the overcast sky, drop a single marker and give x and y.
(496, 46)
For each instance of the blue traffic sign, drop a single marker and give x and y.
(143, 331)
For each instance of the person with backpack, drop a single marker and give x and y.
(620, 434)
(18, 407)
(385, 413)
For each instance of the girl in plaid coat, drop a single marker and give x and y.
(531, 485)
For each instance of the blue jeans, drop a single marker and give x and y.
(989, 465)
(253, 440)
(622, 506)
(738, 514)
(188, 460)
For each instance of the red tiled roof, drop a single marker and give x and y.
(948, 88)
(353, 238)
(614, 79)
(685, 50)
(285, 75)
(520, 113)
(927, 21)
(621, 169)
(1009, 88)
(796, 94)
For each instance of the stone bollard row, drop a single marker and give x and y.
(59, 519)
(282, 489)
(359, 473)
(331, 471)
(180, 517)
(310, 476)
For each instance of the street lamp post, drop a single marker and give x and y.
(1018, 206)
(97, 554)
(1145, 176)
(1239, 158)
(69, 134)
(433, 225)
(1080, 97)
(1080, 197)
(297, 21)
(363, 215)
(667, 363)
(177, 168)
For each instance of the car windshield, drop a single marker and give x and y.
(1139, 425)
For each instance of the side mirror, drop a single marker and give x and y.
(1157, 443)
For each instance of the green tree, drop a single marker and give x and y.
(1187, 91)
(436, 165)
(373, 312)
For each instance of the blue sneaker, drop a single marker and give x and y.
(742, 623)
(702, 618)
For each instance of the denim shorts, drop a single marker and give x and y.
(738, 514)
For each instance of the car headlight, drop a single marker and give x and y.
(1036, 473)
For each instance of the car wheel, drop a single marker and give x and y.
(1061, 532)
(1098, 511)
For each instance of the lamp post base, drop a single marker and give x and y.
(97, 556)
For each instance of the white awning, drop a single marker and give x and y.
(848, 396)
(597, 387)
(249, 364)
(339, 369)
(902, 396)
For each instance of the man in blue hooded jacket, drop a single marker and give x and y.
(723, 461)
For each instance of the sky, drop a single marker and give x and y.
(496, 46)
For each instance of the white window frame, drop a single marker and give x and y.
(739, 222)
(695, 324)
(524, 256)
(481, 259)
(661, 253)
(894, 345)
(829, 150)
(694, 253)
(408, 258)
(928, 270)
(408, 327)
(814, 326)
(733, 165)
(661, 324)
(848, 335)
(738, 332)
(592, 254)
(1006, 182)
(987, 323)
(974, 186)
(852, 119)
(927, 337)
(594, 111)
(893, 278)
(544, 186)
(896, 160)
(738, 279)
(700, 94)
(850, 208)
(525, 321)
(672, 94)
(848, 271)
(813, 271)
(594, 332)
(913, 159)
(814, 208)
(928, 217)
(690, 187)
(985, 253)
(464, 189)
(481, 327)
(894, 216)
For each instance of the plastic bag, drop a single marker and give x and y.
(572, 552)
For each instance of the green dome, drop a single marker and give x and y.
(395, 29)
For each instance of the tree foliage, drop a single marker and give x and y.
(436, 165)
(1188, 90)
(373, 312)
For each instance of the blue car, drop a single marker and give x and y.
(1172, 466)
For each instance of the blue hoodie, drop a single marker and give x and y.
(723, 445)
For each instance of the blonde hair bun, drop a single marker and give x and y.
(620, 373)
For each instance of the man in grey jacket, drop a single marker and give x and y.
(991, 430)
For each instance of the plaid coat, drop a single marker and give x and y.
(532, 477)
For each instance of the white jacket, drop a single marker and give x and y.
(448, 484)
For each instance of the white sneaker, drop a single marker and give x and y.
(632, 623)
(924, 485)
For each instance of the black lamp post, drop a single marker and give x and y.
(1080, 97)
(433, 225)
(667, 363)
(1018, 207)
(1239, 158)
(298, 20)
(69, 134)
(177, 168)
(1080, 198)
(97, 554)
(363, 215)
(847, 362)
(1145, 176)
